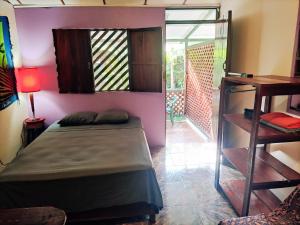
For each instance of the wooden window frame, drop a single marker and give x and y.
(148, 81)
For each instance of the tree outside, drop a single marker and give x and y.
(175, 65)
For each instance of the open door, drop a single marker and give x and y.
(222, 56)
(222, 64)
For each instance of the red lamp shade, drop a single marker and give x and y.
(28, 80)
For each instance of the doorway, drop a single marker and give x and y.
(197, 57)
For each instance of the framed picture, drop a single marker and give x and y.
(8, 87)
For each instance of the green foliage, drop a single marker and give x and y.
(178, 70)
(175, 62)
(168, 71)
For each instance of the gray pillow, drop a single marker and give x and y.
(77, 119)
(112, 117)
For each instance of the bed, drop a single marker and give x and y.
(92, 172)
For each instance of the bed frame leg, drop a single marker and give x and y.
(152, 219)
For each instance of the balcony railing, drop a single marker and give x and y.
(179, 105)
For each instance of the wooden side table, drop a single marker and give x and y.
(32, 216)
(32, 129)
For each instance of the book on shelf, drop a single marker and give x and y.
(281, 121)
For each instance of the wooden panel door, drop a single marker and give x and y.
(74, 60)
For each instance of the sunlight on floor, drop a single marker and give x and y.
(185, 171)
(197, 152)
(188, 156)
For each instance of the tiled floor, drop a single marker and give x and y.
(185, 172)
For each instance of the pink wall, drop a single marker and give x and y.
(35, 35)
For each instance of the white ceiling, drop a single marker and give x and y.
(139, 3)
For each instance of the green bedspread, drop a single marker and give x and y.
(69, 152)
(83, 168)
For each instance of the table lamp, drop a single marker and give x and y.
(29, 82)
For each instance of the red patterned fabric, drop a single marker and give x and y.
(287, 214)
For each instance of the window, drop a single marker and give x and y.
(185, 28)
(191, 26)
(90, 61)
(193, 14)
(110, 60)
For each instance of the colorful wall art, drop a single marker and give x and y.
(8, 90)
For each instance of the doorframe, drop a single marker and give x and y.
(217, 8)
(217, 20)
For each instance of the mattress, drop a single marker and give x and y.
(83, 168)
(76, 151)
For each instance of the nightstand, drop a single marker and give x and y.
(32, 129)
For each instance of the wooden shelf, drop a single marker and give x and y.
(266, 134)
(262, 201)
(261, 170)
(268, 171)
(270, 85)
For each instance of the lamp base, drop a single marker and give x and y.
(34, 120)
